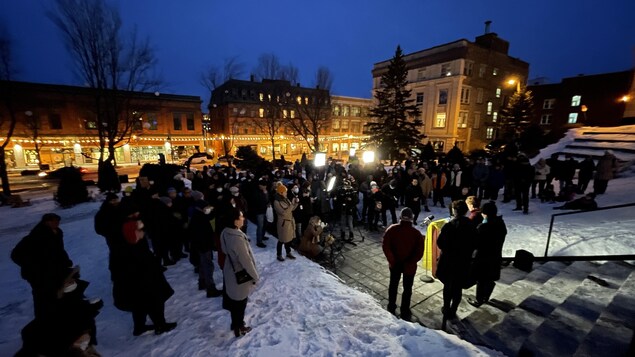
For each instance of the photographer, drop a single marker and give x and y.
(346, 199)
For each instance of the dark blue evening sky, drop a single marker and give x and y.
(559, 38)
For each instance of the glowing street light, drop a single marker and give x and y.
(515, 82)
(320, 159)
(625, 99)
(368, 157)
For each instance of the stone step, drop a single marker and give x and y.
(509, 334)
(613, 331)
(568, 324)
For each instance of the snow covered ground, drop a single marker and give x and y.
(298, 308)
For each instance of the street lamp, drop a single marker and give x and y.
(516, 82)
(368, 157)
(583, 109)
(320, 159)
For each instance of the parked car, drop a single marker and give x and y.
(495, 146)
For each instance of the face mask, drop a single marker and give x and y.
(295, 190)
(219, 189)
(207, 210)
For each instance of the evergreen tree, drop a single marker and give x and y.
(396, 128)
(516, 115)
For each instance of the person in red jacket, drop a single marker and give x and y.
(403, 246)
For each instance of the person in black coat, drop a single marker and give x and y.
(489, 249)
(108, 222)
(414, 196)
(202, 237)
(144, 290)
(44, 263)
(389, 202)
(524, 175)
(587, 167)
(457, 243)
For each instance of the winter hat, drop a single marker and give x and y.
(166, 200)
(281, 189)
(456, 167)
(373, 184)
(171, 189)
(233, 189)
(407, 215)
(197, 195)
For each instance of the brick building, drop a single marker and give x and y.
(593, 100)
(240, 111)
(460, 88)
(66, 126)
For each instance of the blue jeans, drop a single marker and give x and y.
(260, 227)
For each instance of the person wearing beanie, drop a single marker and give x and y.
(457, 243)
(286, 224)
(403, 247)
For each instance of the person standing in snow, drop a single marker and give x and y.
(457, 242)
(239, 257)
(286, 224)
(489, 249)
(403, 247)
(540, 177)
(605, 171)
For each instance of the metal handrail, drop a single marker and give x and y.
(578, 212)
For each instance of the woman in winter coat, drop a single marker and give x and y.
(286, 224)
(144, 290)
(425, 182)
(310, 242)
(456, 241)
(238, 257)
(605, 171)
(489, 248)
(540, 177)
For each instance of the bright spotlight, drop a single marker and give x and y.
(330, 184)
(320, 159)
(351, 152)
(368, 157)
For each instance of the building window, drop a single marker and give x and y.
(345, 110)
(356, 127)
(495, 71)
(462, 121)
(489, 133)
(261, 96)
(481, 70)
(344, 125)
(176, 120)
(55, 121)
(477, 120)
(261, 112)
(545, 119)
(548, 103)
(419, 101)
(356, 111)
(292, 114)
(189, 121)
(479, 95)
(439, 122)
(299, 100)
(438, 145)
(573, 118)
(336, 125)
(443, 96)
(336, 110)
(465, 95)
(151, 121)
(469, 66)
(494, 116)
(498, 92)
(246, 131)
(575, 100)
(445, 70)
(489, 108)
(421, 74)
(335, 147)
(285, 113)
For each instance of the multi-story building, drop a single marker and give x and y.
(594, 100)
(250, 113)
(460, 88)
(61, 120)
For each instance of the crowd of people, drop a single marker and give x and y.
(200, 213)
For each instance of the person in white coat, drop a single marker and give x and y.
(239, 257)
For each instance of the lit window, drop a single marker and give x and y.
(336, 147)
(489, 133)
(345, 110)
(443, 96)
(269, 97)
(261, 96)
(495, 71)
(336, 110)
(573, 118)
(445, 70)
(344, 125)
(548, 103)
(465, 95)
(489, 108)
(477, 120)
(419, 99)
(545, 119)
(498, 92)
(494, 117)
(299, 100)
(292, 114)
(355, 111)
(462, 122)
(336, 125)
(479, 95)
(285, 114)
(261, 112)
(440, 120)
(575, 100)
(306, 100)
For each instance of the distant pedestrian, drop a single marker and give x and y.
(585, 174)
(403, 247)
(605, 171)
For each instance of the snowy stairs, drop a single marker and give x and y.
(558, 309)
(595, 143)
